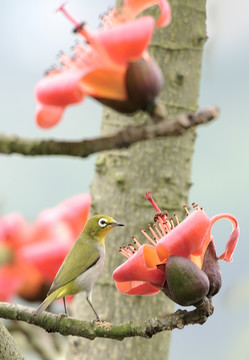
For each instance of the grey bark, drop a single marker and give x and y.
(122, 177)
(8, 347)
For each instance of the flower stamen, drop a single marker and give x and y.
(163, 225)
(172, 223)
(162, 228)
(110, 18)
(158, 231)
(148, 237)
(123, 252)
(186, 210)
(131, 247)
(167, 226)
(177, 219)
(195, 206)
(156, 237)
(161, 218)
(78, 27)
(66, 61)
(136, 242)
(128, 250)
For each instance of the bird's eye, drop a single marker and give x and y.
(102, 222)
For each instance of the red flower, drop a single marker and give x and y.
(30, 254)
(113, 67)
(179, 251)
(15, 273)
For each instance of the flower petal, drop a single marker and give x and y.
(108, 83)
(233, 239)
(32, 281)
(211, 268)
(73, 211)
(165, 17)
(10, 281)
(60, 89)
(127, 41)
(13, 230)
(132, 8)
(21, 279)
(185, 239)
(136, 288)
(141, 267)
(47, 116)
(46, 256)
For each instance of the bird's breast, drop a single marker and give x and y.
(86, 280)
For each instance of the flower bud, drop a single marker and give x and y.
(144, 81)
(211, 267)
(185, 284)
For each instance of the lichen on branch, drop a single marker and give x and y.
(121, 139)
(71, 326)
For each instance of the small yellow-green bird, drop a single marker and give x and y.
(82, 265)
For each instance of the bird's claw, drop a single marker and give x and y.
(96, 321)
(63, 315)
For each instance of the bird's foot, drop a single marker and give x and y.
(63, 315)
(96, 321)
(105, 324)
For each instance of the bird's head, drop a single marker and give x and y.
(99, 225)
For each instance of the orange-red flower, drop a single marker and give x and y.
(180, 253)
(113, 66)
(30, 254)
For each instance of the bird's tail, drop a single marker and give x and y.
(49, 299)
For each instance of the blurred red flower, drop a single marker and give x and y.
(31, 254)
(113, 66)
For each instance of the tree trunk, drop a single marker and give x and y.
(122, 177)
(8, 347)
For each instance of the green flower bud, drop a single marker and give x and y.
(211, 267)
(144, 80)
(185, 284)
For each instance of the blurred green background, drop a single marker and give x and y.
(31, 37)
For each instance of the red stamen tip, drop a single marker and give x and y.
(186, 209)
(149, 197)
(177, 219)
(61, 7)
(67, 15)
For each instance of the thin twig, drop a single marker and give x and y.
(71, 326)
(122, 139)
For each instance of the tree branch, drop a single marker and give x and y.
(70, 326)
(122, 139)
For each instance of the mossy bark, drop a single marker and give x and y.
(122, 177)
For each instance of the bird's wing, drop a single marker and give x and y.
(68, 273)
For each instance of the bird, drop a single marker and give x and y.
(82, 265)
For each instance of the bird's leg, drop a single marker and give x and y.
(95, 312)
(65, 306)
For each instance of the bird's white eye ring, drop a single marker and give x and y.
(102, 222)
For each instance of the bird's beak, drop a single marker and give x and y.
(116, 224)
